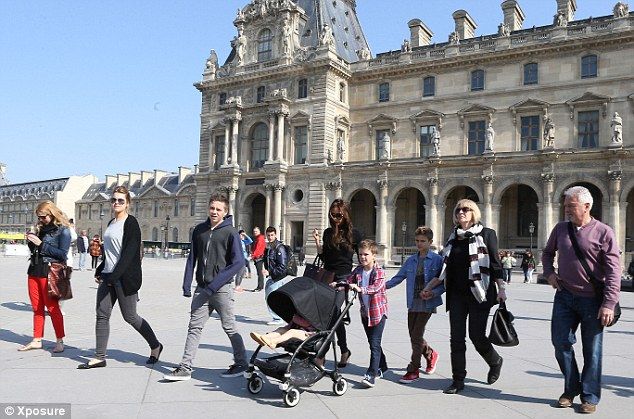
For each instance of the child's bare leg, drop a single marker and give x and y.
(289, 334)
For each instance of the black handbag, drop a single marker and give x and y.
(599, 287)
(502, 331)
(317, 272)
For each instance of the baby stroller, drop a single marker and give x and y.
(320, 305)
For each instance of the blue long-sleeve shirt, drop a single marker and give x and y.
(433, 265)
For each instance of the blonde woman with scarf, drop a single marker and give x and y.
(471, 269)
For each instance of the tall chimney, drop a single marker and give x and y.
(145, 177)
(182, 173)
(567, 8)
(122, 179)
(465, 25)
(110, 181)
(158, 175)
(513, 15)
(420, 34)
(134, 178)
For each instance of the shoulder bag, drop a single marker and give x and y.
(59, 281)
(502, 331)
(317, 272)
(599, 287)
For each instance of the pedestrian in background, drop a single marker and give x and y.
(528, 266)
(95, 250)
(82, 248)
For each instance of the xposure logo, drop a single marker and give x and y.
(35, 410)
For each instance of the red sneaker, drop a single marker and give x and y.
(410, 377)
(431, 363)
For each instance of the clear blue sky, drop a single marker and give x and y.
(105, 87)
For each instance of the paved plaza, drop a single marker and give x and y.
(127, 388)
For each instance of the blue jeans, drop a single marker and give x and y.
(269, 288)
(377, 357)
(82, 260)
(570, 311)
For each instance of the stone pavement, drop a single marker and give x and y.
(127, 388)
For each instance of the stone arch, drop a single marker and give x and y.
(449, 186)
(567, 182)
(519, 218)
(409, 208)
(363, 212)
(252, 211)
(502, 186)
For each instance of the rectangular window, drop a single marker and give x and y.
(219, 151)
(176, 208)
(302, 89)
(529, 133)
(260, 94)
(530, 73)
(426, 140)
(429, 86)
(301, 144)
(477, 80)
(476, 136)
(384, 92)
(379, 142)
(222, 99)
(90, 212)
(589, 66)
(588, 129)
(192, 206)
(156, 208)
(136, 209)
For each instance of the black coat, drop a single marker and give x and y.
(128, 267)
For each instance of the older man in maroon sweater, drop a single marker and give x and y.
(575, 300)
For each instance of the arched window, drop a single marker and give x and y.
(302, 89)
(342, 92)
(259, 146)
(265, 45)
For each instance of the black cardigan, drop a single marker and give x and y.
(128, 267)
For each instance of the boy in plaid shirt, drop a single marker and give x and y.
(368, 279)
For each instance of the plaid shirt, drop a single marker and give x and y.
(376, 291)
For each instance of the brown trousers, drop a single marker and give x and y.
(416, 323)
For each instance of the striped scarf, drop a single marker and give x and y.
(479, 271)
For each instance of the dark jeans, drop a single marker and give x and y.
(106, 297)
(377, 357)
(342, 339)
(507, 274)
(570, 311)
(95, 262)
(259, 264)
(460, 307)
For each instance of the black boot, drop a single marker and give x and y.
(494, 371)
(455, 387)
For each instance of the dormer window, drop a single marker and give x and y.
(265, 45)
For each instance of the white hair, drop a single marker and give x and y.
(582, 193)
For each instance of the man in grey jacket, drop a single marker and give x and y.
(216, 255)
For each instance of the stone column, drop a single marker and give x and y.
(615, 207)
(225, 146)
(267, 206)
(232, 201)
(280, 136)
(270, 157)
(547, 219)
(431, 210)
(487, 213)
(277, 205)
(234, 141)
(381, 225)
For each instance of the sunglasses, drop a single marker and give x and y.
(119, 201)
(463, 209)
(336, 215)
(42, 217)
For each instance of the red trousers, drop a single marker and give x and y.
(40, 299)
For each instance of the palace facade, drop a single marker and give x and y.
(302, 112)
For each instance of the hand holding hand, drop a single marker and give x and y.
(426, 294)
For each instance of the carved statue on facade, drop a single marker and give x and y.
(549, 133)
(341, 148)
(489, 138)
(617, 129)
(453, 38)
(240, 45)
(385, 146)
(326, 37)
(503, 29)
(211, 65)
(239, 15)
(287, 38)
(559, 19)
(406, 46)
(364, 54)
(621, 10)
(279, 93)
(435, 140)
(234, 100)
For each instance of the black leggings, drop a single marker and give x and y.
(95, 261)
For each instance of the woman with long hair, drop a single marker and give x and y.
(48, 243)
(119, 278)
(471, 269)
(336, 250)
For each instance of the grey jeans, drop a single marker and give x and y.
(106, 297)
(202, 306)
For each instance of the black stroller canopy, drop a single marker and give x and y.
(312, 300)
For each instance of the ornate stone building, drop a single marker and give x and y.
(301, 112)
(164, 203)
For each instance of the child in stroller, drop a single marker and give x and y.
(298, 328)
(313, 311)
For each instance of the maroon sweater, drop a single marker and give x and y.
(597, 242)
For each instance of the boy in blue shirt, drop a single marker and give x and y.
(422, 299)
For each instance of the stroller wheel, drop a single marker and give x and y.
(340, 386)
(291, 397)
(255, 384)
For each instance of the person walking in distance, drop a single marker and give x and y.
(82, 249)
(275, 261)
(576, 302)
(95, 250)
(216, 257)
(257, 252)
